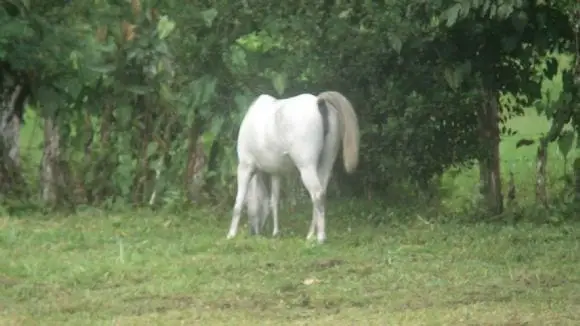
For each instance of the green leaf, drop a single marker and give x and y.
(242, 101)
(74, 58)
(566, 99)
(540, 106)
(71, 86)
(49, 100)
(216, 125)
(551, 67)
(26, 4)
(504, 10)
(239, 56)
(549, 109)
(492, 10)
(137, 89)
(509, 43)
(158, 164)
(465, 8)
(165, 26)
(209, 16)
(201, 91)
(520, 20)
(451, 14)
(454, 77)
(279, 82)
(110, 47)
(205, 89)
(46, 94)
(166, 93)
(485, 8)
(396, 42)
(103, 69)
(565, 142)
(465, 69)
(208, 91)
(152, 148)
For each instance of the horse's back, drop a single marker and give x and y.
(255, 138)
(299, 111)
(276, 131)
(262, 102)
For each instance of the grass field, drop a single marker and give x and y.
(382, 265)
(170, 270)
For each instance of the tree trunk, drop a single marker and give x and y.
(541, 161)
(483, 176)
(50, 175)
(511, 195)
(10, 116)
(195, 165)
(102, 160)
(166, 139)
(576, 92)
(489, 161)
(84, 195)
(576, 167)
(141, 137)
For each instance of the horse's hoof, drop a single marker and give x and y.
(230, 236)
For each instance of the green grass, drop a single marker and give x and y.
(182, 271)
(382, 264)
(462, 185)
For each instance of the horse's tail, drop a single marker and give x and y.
(349, 122)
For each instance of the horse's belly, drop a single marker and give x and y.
(274, 162)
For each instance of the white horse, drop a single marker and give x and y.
(305, 132)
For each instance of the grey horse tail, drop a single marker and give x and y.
(323, 109)
(349, 128)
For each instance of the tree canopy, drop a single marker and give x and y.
(140, 100)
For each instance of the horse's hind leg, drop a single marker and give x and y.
(312, 183)
(311, 229)
(274, 199)
(254, 206)
(245, 173)
(324, 172)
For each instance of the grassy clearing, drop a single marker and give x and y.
(381, 266)
(181, 271)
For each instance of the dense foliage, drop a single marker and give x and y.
(141, 99)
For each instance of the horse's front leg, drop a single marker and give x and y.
(274, 200)
(245, 173)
